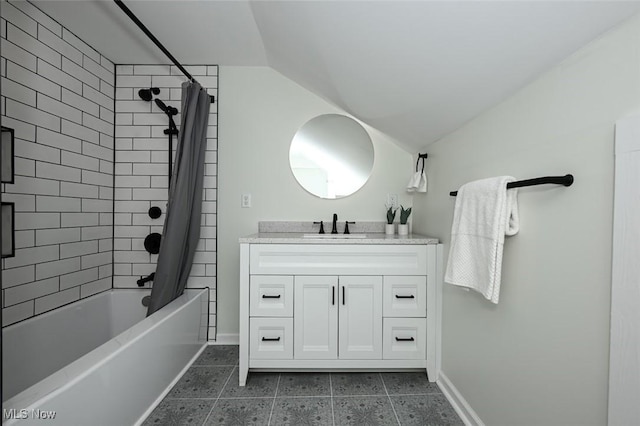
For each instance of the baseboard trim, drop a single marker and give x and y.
(226, 339)
(462, 407)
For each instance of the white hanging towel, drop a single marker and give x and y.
(484, 213)
(418, 182)
(414, 182)
(422, 185)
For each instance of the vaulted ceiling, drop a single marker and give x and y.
(416, 70)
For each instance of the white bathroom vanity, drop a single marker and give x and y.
(371, 303)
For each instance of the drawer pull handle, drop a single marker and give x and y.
(271, 339)
(266, 296)
(402, 339)
(333, 295)
(343, 299)
(405, 297)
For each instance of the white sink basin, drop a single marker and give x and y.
(334, 236)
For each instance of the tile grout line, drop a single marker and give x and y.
(273, 404)
(368, 395)
(219, 395)
(267, 397)
(389, 398)
(333, 416)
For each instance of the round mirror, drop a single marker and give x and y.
(331, 156)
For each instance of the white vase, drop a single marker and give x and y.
(403, 229)
(389, 229)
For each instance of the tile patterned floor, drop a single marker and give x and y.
(208, 394)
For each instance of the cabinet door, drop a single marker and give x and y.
(315, 315)
(360, 317)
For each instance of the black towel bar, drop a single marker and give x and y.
(565, 180)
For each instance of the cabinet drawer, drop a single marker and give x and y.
(404, 338)
(271, 338)
(338, 259)
(404, 296)
(271, 296)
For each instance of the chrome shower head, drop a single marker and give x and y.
(146, 94)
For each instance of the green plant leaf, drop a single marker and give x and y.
(404, 215)
(391, 214)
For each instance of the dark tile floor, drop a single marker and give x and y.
(208, 394)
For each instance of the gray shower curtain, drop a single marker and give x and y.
(182, 221)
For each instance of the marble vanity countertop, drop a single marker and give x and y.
(299, 238)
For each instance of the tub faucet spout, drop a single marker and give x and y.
(142, 281)
(334, 230)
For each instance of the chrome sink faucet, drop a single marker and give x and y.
(334, 230)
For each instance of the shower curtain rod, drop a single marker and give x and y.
(565, 180)
(153, 38)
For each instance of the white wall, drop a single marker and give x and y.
(540, 357)
(57, 94)
(259, 113)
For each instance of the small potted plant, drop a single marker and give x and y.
(391, 215)
(403, 228)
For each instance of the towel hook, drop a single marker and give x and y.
(421, 157)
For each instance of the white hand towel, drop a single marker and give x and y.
(418, 182)
(414, 182)
(484, 213)
(422, 185)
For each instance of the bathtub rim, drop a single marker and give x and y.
(69, 375)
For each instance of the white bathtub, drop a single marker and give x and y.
(99, 361)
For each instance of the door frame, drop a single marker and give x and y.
(624, 350)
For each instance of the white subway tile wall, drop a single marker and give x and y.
(141, 170)
(58, 96)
